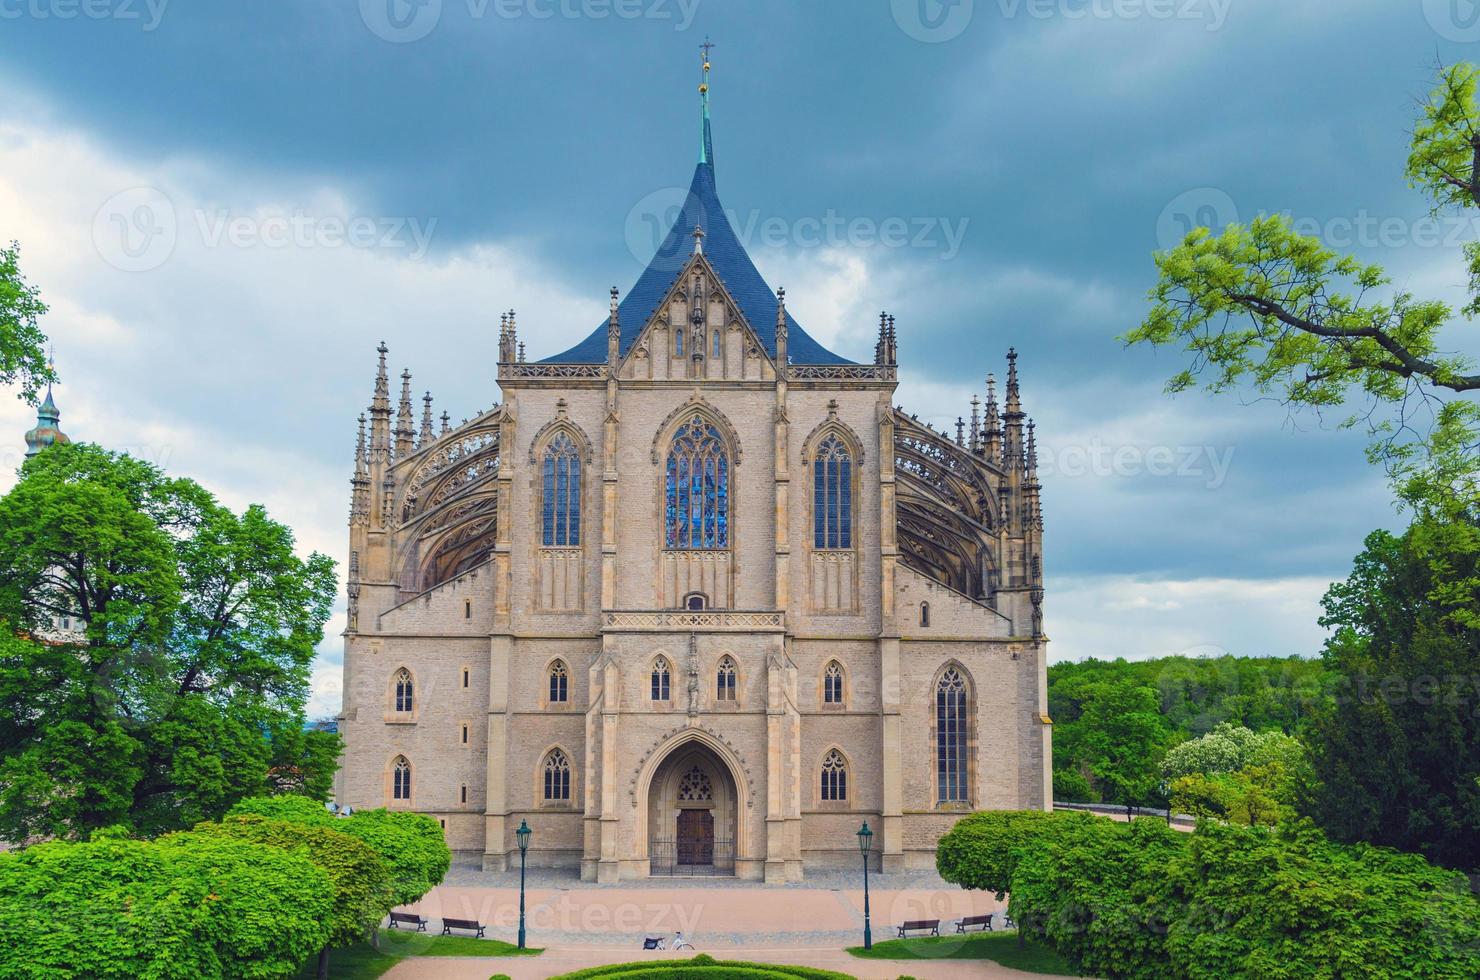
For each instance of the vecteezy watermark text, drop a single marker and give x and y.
(403, 21)
(138, 229)
(937, 21)
(148, 13)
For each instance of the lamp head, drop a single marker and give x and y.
(523, 835)
(864, 837)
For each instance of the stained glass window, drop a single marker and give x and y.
(559, 683)
(401, 779)
(557, 777)
(832, 495)
(725, 680)
(405, 699)
(562, 498)
(832, 683)
(661, 690)
(697, 499)
(834, 776)
(950, 738)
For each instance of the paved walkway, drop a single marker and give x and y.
(557, 961)
(717, 914)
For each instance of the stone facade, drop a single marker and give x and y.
(458, 586)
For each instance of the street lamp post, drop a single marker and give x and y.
(865, 837)
(523, 835)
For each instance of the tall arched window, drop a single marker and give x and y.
(678, 341)
(832, 495)
(951, 724)
(924, 614)
(724, 681)
(832, 683)
(697, 498)
(661, 690)
(562, 500)
(559, 683)
(401, 779)
(557, 777)
(834, 777)
(718, 342)
(405, 696)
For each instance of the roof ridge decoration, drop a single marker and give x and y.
(731, 264)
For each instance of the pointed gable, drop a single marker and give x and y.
(741, 279)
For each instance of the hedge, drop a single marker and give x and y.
(705, 967)
(1142, 900)
(118, 909)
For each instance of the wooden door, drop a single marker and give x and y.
(695, 837)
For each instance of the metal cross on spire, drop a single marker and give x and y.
(706, 144)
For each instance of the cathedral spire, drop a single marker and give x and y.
(976, 407)
(380, 410)
(405, 420)
(427, 435)
(781, 338)
(706, 141)
(359, 504)
(614, 332)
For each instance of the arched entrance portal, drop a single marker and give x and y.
(692, 814)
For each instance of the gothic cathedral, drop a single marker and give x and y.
(696, 597)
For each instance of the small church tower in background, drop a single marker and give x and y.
(48, 427)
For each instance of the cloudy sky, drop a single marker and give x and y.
(227, 206)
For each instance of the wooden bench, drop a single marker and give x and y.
(408, 919)
(984, 921)
(471, 924)
(931, 926)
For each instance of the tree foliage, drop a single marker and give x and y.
(188, 693)
(1398, 751)
(981, 850)
(1263, 306)
(22, 344)
(412, 845)
(119, 909)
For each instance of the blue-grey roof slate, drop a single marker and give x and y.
(730, 262)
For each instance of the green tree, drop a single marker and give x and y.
(1121, 736)
(1398, 752)
(22, 344)
(119, 909)
(187, 694)
(362, 890)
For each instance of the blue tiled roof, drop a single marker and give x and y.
(728, 258)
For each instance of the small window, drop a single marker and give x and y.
(678, 341)
(696, 601)
(401, 779)
(832, 683)
(465, 734)
(834, 777)
(463, 793)
(557, 777)
(442, 823)
(467, 609)
(465, 677)
(661, 689)
(725, 680)
(405, 695)
(718, 343)
(559, 683)
(924, 614)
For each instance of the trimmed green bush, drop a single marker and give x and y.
(362, 891)
(411, 844)
(118, 909)
(702, 967)
(1142, 900)
(980, 851)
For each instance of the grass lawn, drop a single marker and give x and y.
(1000, 947)
(361, 962)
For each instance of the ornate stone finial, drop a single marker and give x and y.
(446, 423)
(1013, 403)
(405, 426)
(960, 431)
(976, 404)
(698, 235)
(361, 461)
(1032, 460)
(521, 352)
(427, 435)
